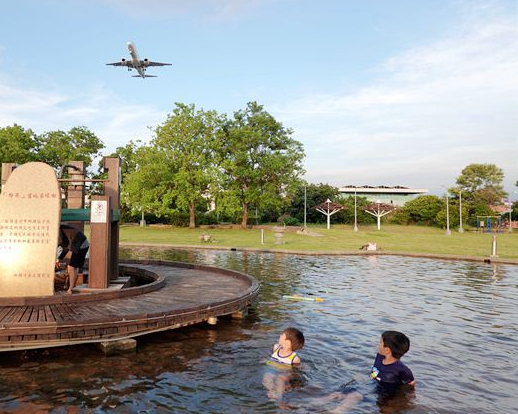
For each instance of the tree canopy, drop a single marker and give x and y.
(481, 182)
(78, 144)
(260, 161)
(187, 138)
(18, 145)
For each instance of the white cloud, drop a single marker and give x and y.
(431, 111)
(112, 120)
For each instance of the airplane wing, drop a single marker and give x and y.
(127, 63)
(148, 63)
(146, 76)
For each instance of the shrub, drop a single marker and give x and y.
(179, 219)
(291, 221)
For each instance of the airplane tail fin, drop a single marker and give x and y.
(146, 76)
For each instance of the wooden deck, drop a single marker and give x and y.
(179, 295)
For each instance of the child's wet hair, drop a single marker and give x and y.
(295, 337)
(397, 342)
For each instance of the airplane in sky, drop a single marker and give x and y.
(135, 63)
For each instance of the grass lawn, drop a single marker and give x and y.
(391, 238)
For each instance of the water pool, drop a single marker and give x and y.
(460, 317)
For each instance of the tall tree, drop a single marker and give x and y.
(78, 144)
(17, 144)
(260, 160)
(188, 137)
(127, 155)
(150, 186)
(481, 183)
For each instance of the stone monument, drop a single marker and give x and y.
(30, 211)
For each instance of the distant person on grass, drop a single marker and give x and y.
(73, 240)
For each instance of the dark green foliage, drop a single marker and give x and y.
(78, 144)
(18, 145)
(291, 221)
(478, 209)
(421, 210)
(206, 218)
(315, 195)
(259, 160)
(481, 183)
(347, 214)
(178, 218)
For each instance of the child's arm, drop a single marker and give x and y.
(296, 360)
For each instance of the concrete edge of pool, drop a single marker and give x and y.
(184, 294)
(484, 259)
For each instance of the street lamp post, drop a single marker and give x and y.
(305, 198)
(448, 232)
(328, 214)
(510, 230)
(461, 230)
(355, 212)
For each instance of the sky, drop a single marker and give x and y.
(399, 92)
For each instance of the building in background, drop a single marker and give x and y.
(396, 195)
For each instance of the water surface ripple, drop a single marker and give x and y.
(460, 316)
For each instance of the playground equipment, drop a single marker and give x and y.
(489, 224)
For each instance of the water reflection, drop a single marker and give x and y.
(460, 317)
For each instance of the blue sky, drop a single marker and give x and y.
(403, 92)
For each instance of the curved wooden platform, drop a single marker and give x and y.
(180, 295)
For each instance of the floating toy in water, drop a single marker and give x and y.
(311, 299)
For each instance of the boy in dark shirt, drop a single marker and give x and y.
(387, 368)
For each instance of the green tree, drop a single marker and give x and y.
(78, 144)
(481, 183)
(150, 186)
(347, 214)
(260, 161)
(18, 145)
(315, 195)
(127, 155)
(421, 210)
(188, 139)
(514, 211)
(129, 163)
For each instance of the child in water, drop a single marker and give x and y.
(283, 356)
(387, 368)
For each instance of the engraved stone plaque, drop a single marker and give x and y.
(30, 211)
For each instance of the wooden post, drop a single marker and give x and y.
(7, 169)
(112, 190)
(99, 242)
(76, 191)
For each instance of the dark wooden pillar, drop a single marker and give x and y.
(99, 242)
(112, 189)
(7, 169)
(76, 190)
